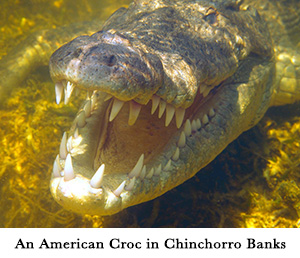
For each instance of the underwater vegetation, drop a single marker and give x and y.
(254, 182)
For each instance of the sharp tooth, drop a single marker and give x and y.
(69, 171)
(89, 94)
(179, 116)
(150, 174)
(157, 170)
(69, 144)
(81, 119)
(76, 133)
(68, 92)
(194, 126)
(130, 186)
(206, 92)
(205, 119)
(87, 108)
(108, 97)
(167, 166)
(134, 111)
(162, 108)
(143, 173)
(211, 112)
(138, 167)
(59, 88)
(181, 141)
(56, 169)
(198, 124)
(187, 127)
(93, 100)
(202, 88)
(120, 189)
(58, 163)
(155, 103)
(176, 154)
(63, 146)
(115, 109)
(169, 114)
(97, 178)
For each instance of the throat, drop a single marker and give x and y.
(122, 144)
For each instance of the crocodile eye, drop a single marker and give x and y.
(211, 16)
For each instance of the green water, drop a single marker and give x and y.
(236, 190)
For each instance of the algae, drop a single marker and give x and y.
(253, 183)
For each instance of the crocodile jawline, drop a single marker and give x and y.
(139, 151)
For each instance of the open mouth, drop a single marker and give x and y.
(146, 126)
(117, 152)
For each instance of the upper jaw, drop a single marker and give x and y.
(107, 62)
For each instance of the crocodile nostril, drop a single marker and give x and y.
(77, 52)
(111, 60)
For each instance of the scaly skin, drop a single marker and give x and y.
(212, 61)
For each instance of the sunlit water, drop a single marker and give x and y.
(241, 188)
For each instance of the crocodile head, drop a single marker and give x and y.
(170, 86)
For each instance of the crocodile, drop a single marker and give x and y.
(169, 85)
